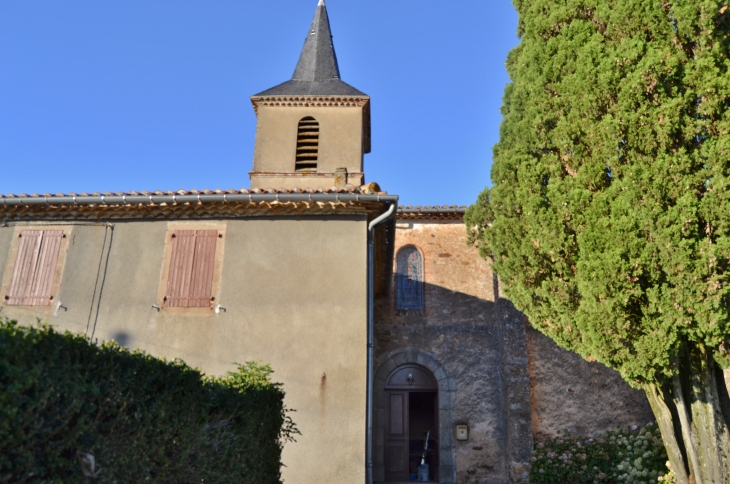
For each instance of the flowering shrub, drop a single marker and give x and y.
(669, 476)
(631, 456)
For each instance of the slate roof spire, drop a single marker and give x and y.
(318, 61)
(317, 72)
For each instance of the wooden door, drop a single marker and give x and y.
(396, 436)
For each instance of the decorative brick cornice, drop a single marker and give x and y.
(307, 101)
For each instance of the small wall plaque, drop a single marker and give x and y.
(462, 432)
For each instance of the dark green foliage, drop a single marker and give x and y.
(609, 218)
(143, 419)
(621, 456)
(610, 211)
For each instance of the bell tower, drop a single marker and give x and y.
(313, 130)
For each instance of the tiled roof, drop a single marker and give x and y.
(186, 204)
(427, 212)
(204, 191)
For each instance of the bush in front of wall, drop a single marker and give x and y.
(72, 411)
(631, 456)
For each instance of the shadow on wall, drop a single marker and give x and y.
(121, 338)
(566, 391)
(459, 332)
(570, 393)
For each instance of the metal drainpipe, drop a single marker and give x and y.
(371, 338)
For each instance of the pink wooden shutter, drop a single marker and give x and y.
(45, 270)
(181, 266)
(35, 267)
(201, 284)
(25, 262)
(190, 278)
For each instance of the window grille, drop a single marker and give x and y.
(35, 268)
(307, 144)
(409, 280)
(190, 277)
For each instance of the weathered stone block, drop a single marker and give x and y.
(447, 474)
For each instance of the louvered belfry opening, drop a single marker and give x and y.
(307, 144)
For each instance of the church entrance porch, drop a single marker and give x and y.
(411, 425)
(413, 398)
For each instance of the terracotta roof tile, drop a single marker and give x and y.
(444, 212)
(346, 189)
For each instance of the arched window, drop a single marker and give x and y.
(307, 144)
(409, 279)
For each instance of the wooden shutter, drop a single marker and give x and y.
(201, 285)
(35, 268)
(190, 277)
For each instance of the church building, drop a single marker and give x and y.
(391, 336)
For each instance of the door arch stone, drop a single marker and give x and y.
(384, 365)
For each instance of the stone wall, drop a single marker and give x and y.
(462, 327)
(505, 380)
(570, 393)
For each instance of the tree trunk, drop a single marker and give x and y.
(689, 412)
(690, 443)
(708, 426)
(666, 423)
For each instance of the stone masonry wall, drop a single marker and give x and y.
(570, 393)
(510, 383)
(461, 325)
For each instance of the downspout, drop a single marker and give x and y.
(371, 338)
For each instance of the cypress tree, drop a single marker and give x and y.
(609, 218)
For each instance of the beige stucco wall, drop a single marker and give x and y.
(302, 180)
(340, 139)
(294, 294)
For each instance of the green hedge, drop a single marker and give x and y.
(142, 419)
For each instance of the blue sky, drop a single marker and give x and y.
(146, 95)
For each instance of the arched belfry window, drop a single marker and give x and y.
(409, 279)
(307, 144)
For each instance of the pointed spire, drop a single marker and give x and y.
(317, 73)
(318, 61)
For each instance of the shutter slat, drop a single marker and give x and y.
(31, 295)
(181, 260)
(189, 260)
(31, 267)
(40, 293)
(15, 294)
(202, 276)
(25, 261)
(194, 289)
(173, 275)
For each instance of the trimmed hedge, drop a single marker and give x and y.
(141, 418)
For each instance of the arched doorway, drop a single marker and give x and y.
(411, 432)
